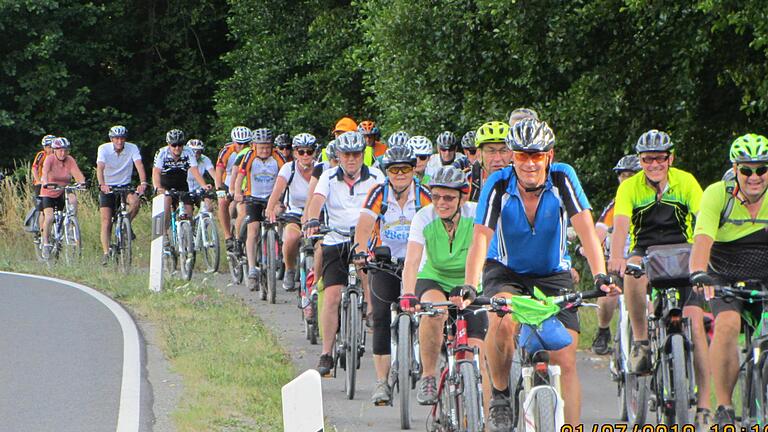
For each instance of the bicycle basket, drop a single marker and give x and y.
(667, 265)
(550, 335)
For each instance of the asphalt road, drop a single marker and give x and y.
(62, 364)
(599, 397)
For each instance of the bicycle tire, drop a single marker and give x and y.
(445, 405)
(634, 394)
(261, 283)
(186, 250)
(211, 248)
(404, 352)
(170, 257)
(124, 244)
(352, 344)
(746, 379)
(272, 267)
(470, 399)
(314, 332)
(761, 389)
(679, 380)
(545, 403)
(235, 270)
(71, 241)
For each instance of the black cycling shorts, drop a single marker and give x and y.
(254, 210)
(477, 324)
(336, 264)
(54, 203)
(110, 200)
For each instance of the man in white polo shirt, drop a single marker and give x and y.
(114, 168)
(342, 190)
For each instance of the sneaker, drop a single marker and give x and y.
(427, 391)
(230, 244)
(325, 365)
(640, 358)
(602, 343)
(703, 419)
(46, 252)
(288, 280)
(382, 393)
(725, 416)
(253, 279)
(105, 259)
(499, 414)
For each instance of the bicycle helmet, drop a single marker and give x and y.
(195, 144)
(330, 150)
(446, 141)
(494, 132)
(522, 114)
(468, 140)
(174, 136)
(241, 135)
(654, 141)
(60, 143)
(398, 138)
(729, 175)
(450, 177)
(47, 140)
(118, 131)
(398, 155)
(262, 136)
(628, 163)
(283, 140)
(420, 145)
(345, 124)
(749, 148)
(531, 136)
(368, 127)
(304, 140)
(350, 142)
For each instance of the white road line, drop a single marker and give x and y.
(130, 392)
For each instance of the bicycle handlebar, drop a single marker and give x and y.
(739, 291)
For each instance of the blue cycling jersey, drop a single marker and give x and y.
(538, 249)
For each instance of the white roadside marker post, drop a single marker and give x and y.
(156, 248)
(303, 403)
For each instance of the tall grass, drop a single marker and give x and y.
(231, 366)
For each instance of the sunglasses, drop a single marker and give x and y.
(302, 152)
(471, 151)
(747, 171)
(422, 157)
(406, 169)
(648, 160)
(523, 157)
(447, 198)
(177, 145)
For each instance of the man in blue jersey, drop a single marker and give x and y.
(520, 242)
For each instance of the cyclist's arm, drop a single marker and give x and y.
(602, 233)
(363, 231)
(35, 168)
(237, 180)
(411, 269)
(218, 177)
(702, 246)
(310, 194)
(76, 173)
(233, 175)
(198, 177)
(277, 192)
(618, 243)
(584, 226)
(44, 173)
(156, 178)
(481, 238)
(315, 205)
(141, 171)
(100, 174)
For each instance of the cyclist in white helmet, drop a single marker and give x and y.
(204, 165)
(422, 149)
(241, 139)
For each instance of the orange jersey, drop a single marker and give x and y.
(281, 160)
(37, 164)
(392, 222)
(379, 148)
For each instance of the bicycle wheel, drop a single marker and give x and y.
(470, 399)
(186, 250)
(235, 270)
(210, 246)
(124, 244)
(272, 265)
(446, 405)
(170, 257)
(404, 353)
(679, 380)
(760, 389)
(352, 344)
(634, 393)
(545, 403)
(71, 242)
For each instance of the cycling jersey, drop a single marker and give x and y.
(118, 167)
(444, 259)
(320, 168)
(654, 221)
(281, 160)
(538, 249)
(296, 190)
(58, 172)
(260, 175)
(605, 221)
(393, 222)
(204, 164)
(344, 201)
(368, 158)
(740, 250)
(226, 159)
(435, 163)
(37, 164)
(173, 172)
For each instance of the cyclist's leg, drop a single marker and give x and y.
(724, 349)
(569, 378)
(73, 202)
(133, 205)
(48, 206)
(430, 328)
(635, 290)
(106, 204)
(224, 220)
(693, 310)
(385, 289)
(39, 206)
(291, 239)
(253, 234)
(335, 277)
(607, 306)
(477, 328)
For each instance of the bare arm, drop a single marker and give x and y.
(198, 177)
(702, 247)
(481, 238)
(310, 194)
(277, 192)
(363, 231)
(77, 174)
(411, 270)
(218, 178)
(617, 263)
(141, 171)
(156, 177)
(313, 211)
(100, 177)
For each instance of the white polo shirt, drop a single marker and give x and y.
(343, 202)
(204, 165)
(118, 167)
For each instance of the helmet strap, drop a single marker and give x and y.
(399, 193)
(746, 201)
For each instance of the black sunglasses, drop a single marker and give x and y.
(177, 145)
(302, 152)
(747, 171)
(471, 150)
(422, 157)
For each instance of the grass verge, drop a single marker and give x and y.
(232, 367)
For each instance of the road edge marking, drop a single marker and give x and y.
(128, 415)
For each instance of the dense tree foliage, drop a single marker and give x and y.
(600, 71)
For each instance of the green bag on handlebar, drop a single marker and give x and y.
(533, 310)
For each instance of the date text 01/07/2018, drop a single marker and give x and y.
(609, 427)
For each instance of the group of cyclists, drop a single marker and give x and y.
(487, 214)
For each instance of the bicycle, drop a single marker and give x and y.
(269, 256)
(181, 243)
(206, 235)
(120, 248)
(237, 257)
(308, 295)
(459, 404)
(672, 381)
(753, 372)
(537, 403)
(64, 235)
